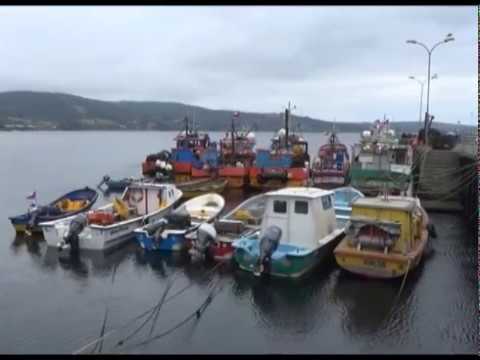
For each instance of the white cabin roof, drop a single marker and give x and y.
(306, 192)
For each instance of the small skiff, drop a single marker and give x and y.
(169, 233)
(70, 204)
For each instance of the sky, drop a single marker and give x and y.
(348, 63)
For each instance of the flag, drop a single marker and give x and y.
(32, 195)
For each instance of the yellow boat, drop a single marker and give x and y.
(385, 237)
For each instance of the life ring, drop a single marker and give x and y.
(136, 196)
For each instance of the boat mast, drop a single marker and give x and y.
(233, 137)
(287, 114)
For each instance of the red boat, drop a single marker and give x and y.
(236, 156)
(330, 169)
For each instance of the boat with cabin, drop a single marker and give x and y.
(113, 224)
(237, 155)
(298, 231)
(286, 163)
(380, 160)
(170, 233)
(385, 237)
(331, 167)
(69, 204)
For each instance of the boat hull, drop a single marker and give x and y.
(172, 242)
(373, 264)
(237, 176)
(100, 237)
(285, 265)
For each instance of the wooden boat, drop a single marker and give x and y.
(72, 203)
(344, 198)
(330, 169)
(298, 230)
(237, 155)
(380, 161)
(385, 237)
(199, 187)
(243, 220)
(286, 163)
(169, 233)
(113, 224)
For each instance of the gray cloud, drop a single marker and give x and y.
(351, 63)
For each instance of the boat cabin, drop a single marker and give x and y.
(386, 225)
(305, 215)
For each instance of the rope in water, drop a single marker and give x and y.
(142, 315)
(197, 313)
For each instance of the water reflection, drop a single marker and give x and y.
(372, 307)
(287, 306)
(31, 243)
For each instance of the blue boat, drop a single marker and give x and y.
(70, 204)
(344, 197)
(170, 233)
(298, 232)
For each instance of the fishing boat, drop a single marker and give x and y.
(158, 166)
(243, 220)
(113, 224)
(286, 163)
(344, 198)
(236, 155)
(298, 231)
(385, 237)
(380, 161)
(330, 169)
(199, 187)
(169, 233)
(72, 203)
(193, 154)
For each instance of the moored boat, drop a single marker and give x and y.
(380, 161)
(169, 233)
(113, 224)
(202, 186)
(385, 237)
(72, 203)
(286, 163)
(344, 198)
(330, 169)
(243, 220)
(298, 230)
(236, 155)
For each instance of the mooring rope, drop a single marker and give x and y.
(145, 313)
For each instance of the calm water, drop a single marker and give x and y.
(49, 306)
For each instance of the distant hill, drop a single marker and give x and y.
(56, 111)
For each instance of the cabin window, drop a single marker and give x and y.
(326, 202)
(280, 206)
(301, 207)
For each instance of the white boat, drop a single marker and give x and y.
(298, 231)
(170, 232)
(113, 224)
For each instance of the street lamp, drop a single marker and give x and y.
(422, 83)
(447, 39)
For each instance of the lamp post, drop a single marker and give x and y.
(448, 38)
(422, 83)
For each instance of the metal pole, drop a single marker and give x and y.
(421, 100)
(427, 114)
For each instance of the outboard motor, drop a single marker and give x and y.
(268, 244)
(71, 237)
(206, 235)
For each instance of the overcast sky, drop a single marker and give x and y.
(348, 63)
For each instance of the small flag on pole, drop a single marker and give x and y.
(32, 195)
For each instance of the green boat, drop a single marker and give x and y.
(381, 161)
